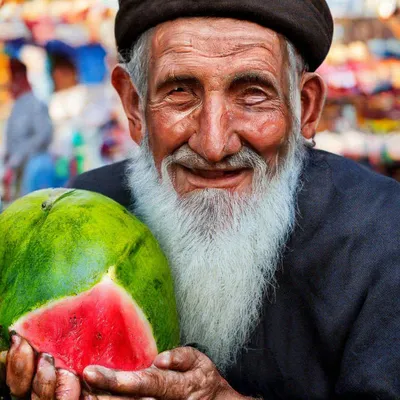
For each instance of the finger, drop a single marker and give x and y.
(20, 366)
(68, 386)
(44, 383)
(182, 359)
(151, 382)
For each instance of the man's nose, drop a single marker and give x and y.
(214, 139)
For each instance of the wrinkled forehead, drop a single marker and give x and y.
(217, 40)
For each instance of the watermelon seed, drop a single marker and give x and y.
(73, 321)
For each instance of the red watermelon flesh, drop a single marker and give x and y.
(103, 326)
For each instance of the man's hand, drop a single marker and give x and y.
(181, 374)
(27, 374)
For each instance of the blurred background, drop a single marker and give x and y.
(55, 63)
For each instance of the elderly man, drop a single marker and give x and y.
(285, 258)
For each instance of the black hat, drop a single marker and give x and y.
(307, 24)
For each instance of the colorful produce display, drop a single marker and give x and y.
(84, 280)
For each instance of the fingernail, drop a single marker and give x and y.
(46, 358)
(90, 374)
(15, 339)
(164, 358)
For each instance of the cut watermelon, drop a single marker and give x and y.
(103, 326)
(85, 281)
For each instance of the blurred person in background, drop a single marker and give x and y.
(28, 135)
(63, 72)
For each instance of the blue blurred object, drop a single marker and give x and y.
(90, 63)
(13, 47)
(88, 59)
(39, 173)
(385, 48)
(58, 47)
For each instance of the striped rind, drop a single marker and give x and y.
(58, 243)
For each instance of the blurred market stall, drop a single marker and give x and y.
(362, 71)
(68, 48)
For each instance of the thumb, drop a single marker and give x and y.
(181, 360)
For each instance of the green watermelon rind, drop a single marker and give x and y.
(141, 268)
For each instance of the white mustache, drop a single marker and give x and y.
(245, 158)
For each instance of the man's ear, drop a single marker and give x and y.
(130, 101)
(313, 95)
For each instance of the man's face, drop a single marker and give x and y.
(216, 86)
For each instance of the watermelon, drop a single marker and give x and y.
(84, 280)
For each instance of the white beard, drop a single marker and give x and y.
(223, 249)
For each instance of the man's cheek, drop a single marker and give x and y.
(266, 136)
(168, 133)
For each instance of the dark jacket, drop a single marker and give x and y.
(333, 330)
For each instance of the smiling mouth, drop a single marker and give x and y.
(215, 174)
(215, 177)
(218, 178)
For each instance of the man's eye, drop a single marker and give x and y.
(180, 95)
(254, 96)
(178, 89)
